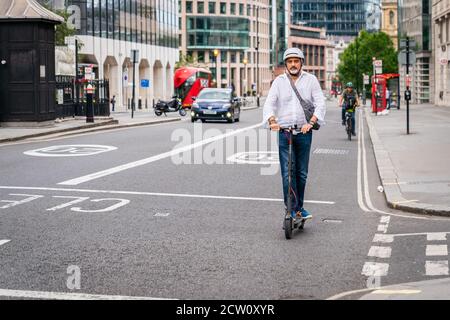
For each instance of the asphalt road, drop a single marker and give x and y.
(168, 215)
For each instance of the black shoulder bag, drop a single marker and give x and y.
(308, 107)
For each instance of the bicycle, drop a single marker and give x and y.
(348, 122)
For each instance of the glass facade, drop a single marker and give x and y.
(218, 32)
(338, 17)
(152, 22)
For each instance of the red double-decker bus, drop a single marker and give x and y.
(189, 81)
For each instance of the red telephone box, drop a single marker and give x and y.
(379, 85)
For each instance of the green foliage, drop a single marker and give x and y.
(356, 60)
(62, 30)
(185, 61)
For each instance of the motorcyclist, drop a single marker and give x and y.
(349, 100)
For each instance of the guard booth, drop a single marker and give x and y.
(379, 86)
(27, 63)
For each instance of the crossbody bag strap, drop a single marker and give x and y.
(302, 102)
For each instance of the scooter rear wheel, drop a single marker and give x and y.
(158, 113)
(288, 227)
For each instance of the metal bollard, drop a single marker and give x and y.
(89, 103)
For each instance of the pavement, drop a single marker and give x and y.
(414, 168)
(79, 125)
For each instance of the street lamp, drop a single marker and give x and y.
(215, 53)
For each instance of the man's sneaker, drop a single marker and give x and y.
(343, 122)
(304, 214)
(353, 133)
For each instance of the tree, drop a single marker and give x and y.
(356, 60)
(62, 30)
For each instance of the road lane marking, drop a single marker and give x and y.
(401, 291)
(385, 219)
(375, 269)
(180, 195)
(13, 203)
(2, 242)
(437, 236)
(436, 250)
(382, 228)
(68, 296)
(380, 252)
(386, 238)
(134, 164)
(436, 268)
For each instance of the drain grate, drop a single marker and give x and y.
(332, 220)
(331, 151)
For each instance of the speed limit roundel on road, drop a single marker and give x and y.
(73, 150)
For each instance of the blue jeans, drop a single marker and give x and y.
(301, 147)
(353, 119)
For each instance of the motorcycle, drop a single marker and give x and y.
(173, 105)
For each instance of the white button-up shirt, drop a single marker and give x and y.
(282, 102)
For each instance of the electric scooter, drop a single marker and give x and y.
(291, 223)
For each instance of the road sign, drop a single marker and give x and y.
(402, 57)
(145, 83)
(408, 80)
(378, 63)
(412, 43)
(366, 79)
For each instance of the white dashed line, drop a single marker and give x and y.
(386, 238)
(375, 269)
(382, 228)
(436, 268)
(437, 236)
(437, 250)
(380, 252)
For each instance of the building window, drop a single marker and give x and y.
(233, 57)
(201, 56)
(188, 6)
(241, 9)
(391, 17)
(223, 73)
(232, 8)
(200, 7)
(212, 7)
(223, 7)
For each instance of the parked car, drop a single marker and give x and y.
(216, 104)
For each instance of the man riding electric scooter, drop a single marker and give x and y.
(294, 107)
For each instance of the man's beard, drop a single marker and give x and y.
(294, 71)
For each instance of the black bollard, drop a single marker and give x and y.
(89, 104)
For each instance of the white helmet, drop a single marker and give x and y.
(293, 53)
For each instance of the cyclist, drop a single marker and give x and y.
(282, 109)
(349, 101)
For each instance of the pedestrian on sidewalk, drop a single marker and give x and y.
(283, 109)
(113, 102)
(388, 98)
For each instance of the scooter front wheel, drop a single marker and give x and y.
(182, 112)
(288, 221)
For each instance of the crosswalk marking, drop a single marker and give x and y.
(379, 252)
(387, 238)
(375, 269)
(436, 268)
(437, 236)
(437, 250)
(382, 228)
